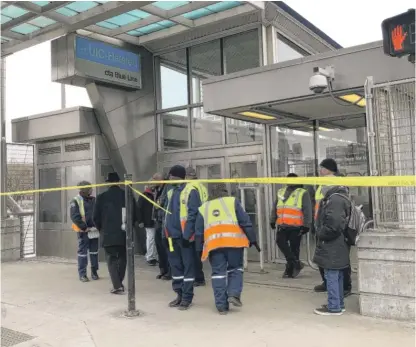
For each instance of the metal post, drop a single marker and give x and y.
(131, 285)
(260, 219)
(3, 145)
(243, 204)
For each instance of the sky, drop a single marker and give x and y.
(29, 89)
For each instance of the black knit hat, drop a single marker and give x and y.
(292, 175)
(113, 177)
(329, 164)
(177, 171)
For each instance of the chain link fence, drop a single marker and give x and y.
(20, 177)
(391, 125)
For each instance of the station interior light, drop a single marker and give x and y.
(257, 115)
(353, 99)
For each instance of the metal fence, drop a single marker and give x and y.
(19, 177)
(391, 127)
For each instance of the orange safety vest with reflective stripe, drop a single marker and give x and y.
(221, 226)
(318, 197)
(289, 212)
(80, 201)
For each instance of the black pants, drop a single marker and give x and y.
(116, 257)
(162, 251)
(347, 277)
(288, 241)
(199, 271)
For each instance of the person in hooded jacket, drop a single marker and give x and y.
(292, 216)
(332, 251)
(329, 167)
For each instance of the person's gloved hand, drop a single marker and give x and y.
(141, 225)
(273, 225)
(304, 230)
(185, 243)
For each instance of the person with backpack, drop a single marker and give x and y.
(329, 167)
(332, 250)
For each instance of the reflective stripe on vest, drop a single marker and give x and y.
(80, 202)
(289, 212)
(221, 226)
(318, 197)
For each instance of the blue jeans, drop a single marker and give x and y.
(335, 288)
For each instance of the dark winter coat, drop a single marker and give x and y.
(331, 250)
(145, 210)
(76, 217)
(108, 216)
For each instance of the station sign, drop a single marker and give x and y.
(103, 62)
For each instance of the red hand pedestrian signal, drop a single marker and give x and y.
(398, 37)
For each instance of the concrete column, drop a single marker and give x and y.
(269, 35)
(3, 150)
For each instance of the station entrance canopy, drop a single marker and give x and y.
(27, 23)
(280, 94)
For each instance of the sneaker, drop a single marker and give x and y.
(176, 302)
(347, 292)
(152, 262)
(235, 301)
(320, 288)
(84, 279)
(199, 284)
(184, 305)
(326, 306)
(222, 311)
(95, 276)
(117, 291)
(323, 311)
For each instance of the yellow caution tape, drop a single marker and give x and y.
(351, 181)
(150, 200)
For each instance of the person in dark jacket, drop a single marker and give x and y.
(329, 167)
(332, 252)
(146, 220)
(81, 213)
(182, 203)
(292, 215)
(108, 218)
(161, 242)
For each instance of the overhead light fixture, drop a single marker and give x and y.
(354, 99)
(257, 115)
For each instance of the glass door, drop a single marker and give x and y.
(209, 169)
(251, 196)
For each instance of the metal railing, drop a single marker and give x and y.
(391, 136)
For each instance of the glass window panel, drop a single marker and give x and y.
(74, 175)
(202, 12)
(207, 128)
(76, 96)
(50, 202)
(66, 12)
(287, 52)
(241, 52)
(150, 28)
(166, 23)
(123, 19)
(173, 79)
(139, 13)
(107, 25)
(5, 19)
(174, 130)
(13, 11)
(239, 131)
(81, 6)
(25, 29)
(345, 141)
(205, 62)
(41, 3)
(223, 5)
(42, 21)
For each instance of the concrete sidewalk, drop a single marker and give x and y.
(45, 300)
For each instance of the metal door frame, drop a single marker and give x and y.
(210, 161)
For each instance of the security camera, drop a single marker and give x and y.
(320, 79)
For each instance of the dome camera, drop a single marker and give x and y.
(320, 79)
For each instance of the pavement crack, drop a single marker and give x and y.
(89, 333)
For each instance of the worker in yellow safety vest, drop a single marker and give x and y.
(292, 217)
(81, 213)
(223, 229)
(183, 201)
(203, 194)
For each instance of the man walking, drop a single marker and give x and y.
(182, 203)
(328, 168)
(203, 195)
(223, 229)
(108, 218)
(81, 212)
(293, 218)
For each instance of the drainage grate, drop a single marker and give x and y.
(12, 338)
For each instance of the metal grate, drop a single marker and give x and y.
(391, 118)
(12, 337)
(49, 150)
(76, 147)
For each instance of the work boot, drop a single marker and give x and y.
(235, 301)
(286, 272)
(184, 305)
(152, 262)
(320, 288)
(84, 278)
(167, 277)
(199, 284)
(176, 302)
(117, 291)
(347, 292)
(297, 269)
(94, 275)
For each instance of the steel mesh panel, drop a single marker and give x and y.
(12, 338)
(393, 109)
